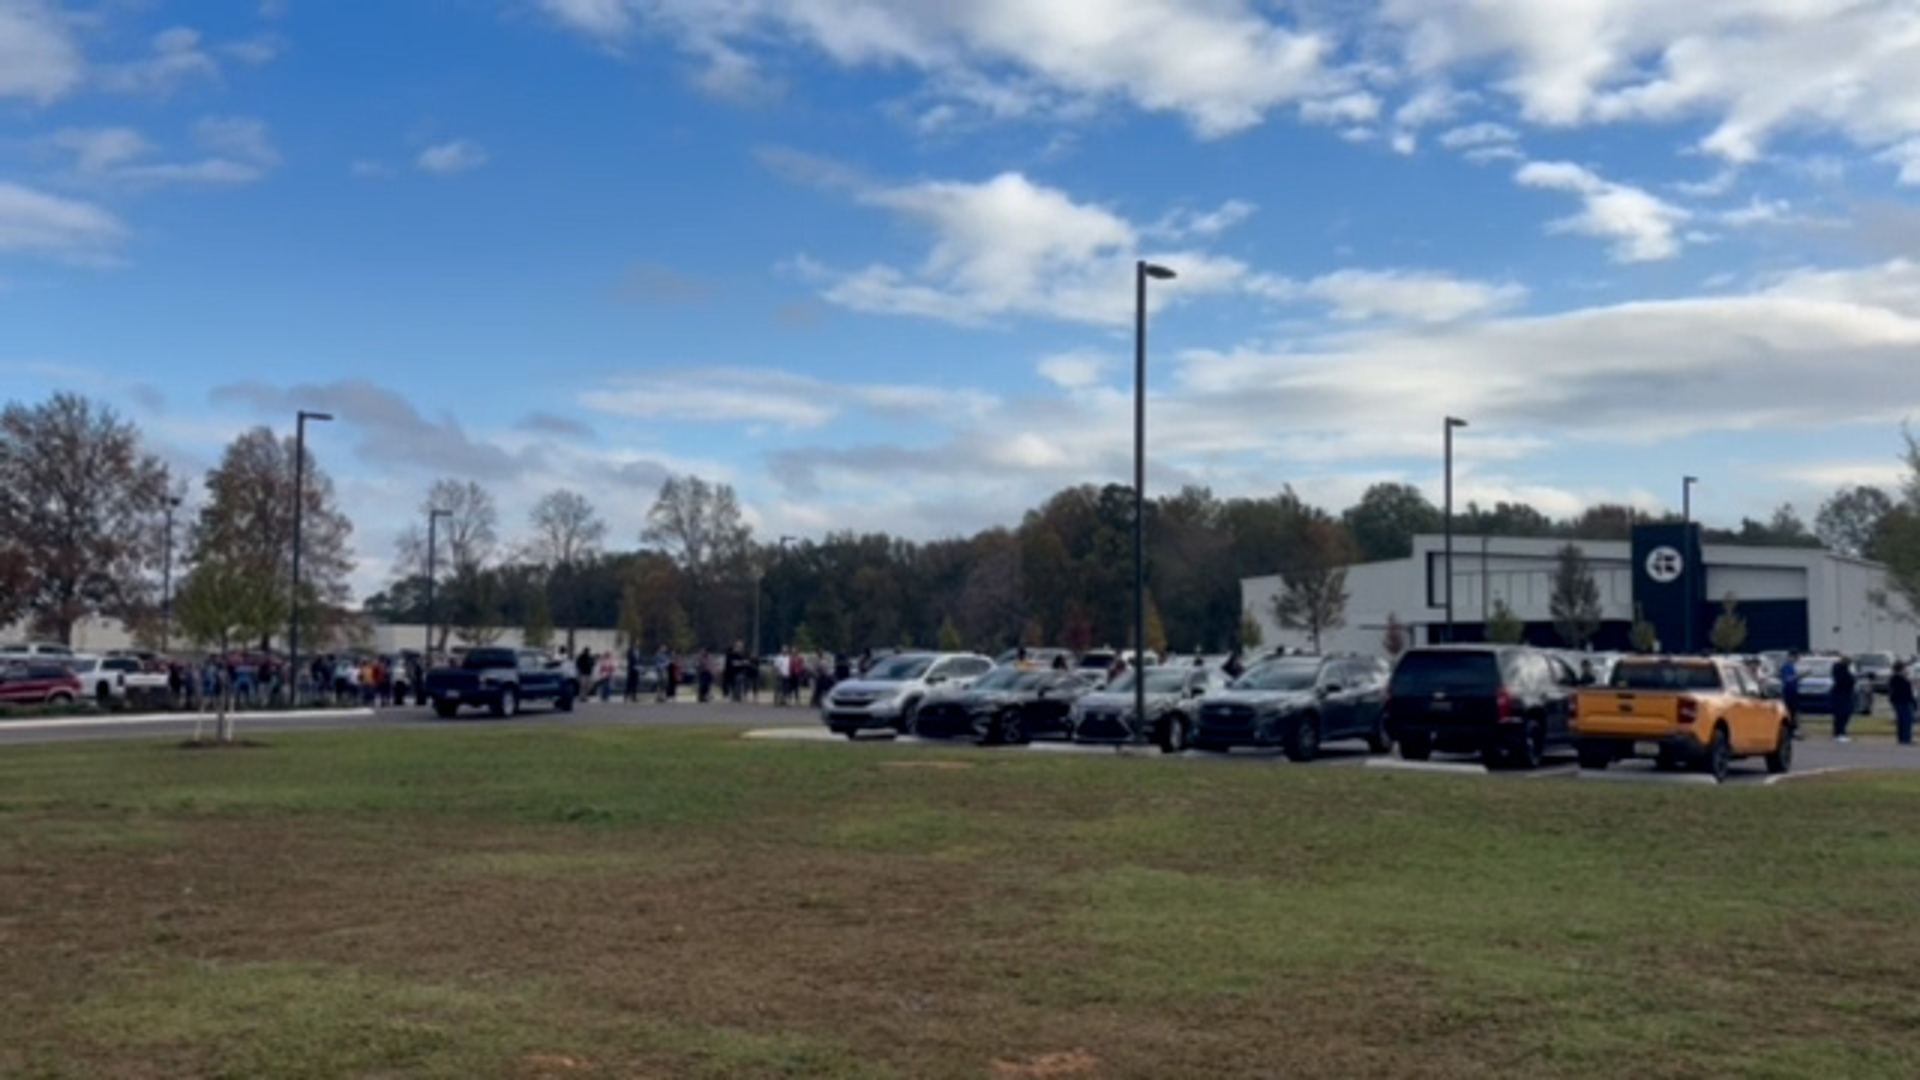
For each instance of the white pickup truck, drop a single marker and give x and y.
(109, 678)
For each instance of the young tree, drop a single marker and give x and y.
(1504, 626)
(1576, 598)
(80, 512)
(1729, 628)
(1394, 641)
(566, 534)
(1313, 590)
(538, 631)
(224, 602)
(1156, 629)
(247, 520)
(1250, 635)
(950, 636)
(1643, 636)
(468, 539)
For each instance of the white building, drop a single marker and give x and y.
(1791, 598)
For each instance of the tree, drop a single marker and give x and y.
(1250, 634)
(1387, 518)
(225, 601)
(566, 533)
(467, 533)
(1643, 636)
(633, 622)
(538, 630)
(1729, 629)
(1575, 603)
(1394, 641)
(80, 512)
(1849, 521)
(247, 520)
(949, 636)
(1503, 626)
(1898, 542)
(1313, 591)
(700, 526)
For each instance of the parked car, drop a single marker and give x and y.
(38, 683)
(1297, 703)
(891, 691)
(1509, 703)
(1173, 694)
(1814, 692)
(501, 680)
(1006, 705)
(1701, 712)
(1040, 656)
(1874, 669)
(33, 650)
(109, 678)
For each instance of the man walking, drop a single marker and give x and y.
(1844, 688)
(1900, 696)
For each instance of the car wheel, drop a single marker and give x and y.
(1596, 758)
(1416, 748)
(105, 694)
(564, 702)
(1007, 729)
(508, 704)
(445, 709)
(1719, 755)
(1173, 735)
(1532, 750)
(909, 717)
(1781, 759)
(1303, 740)
(60, 697)
(1380, 740)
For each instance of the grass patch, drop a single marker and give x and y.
(615, 902)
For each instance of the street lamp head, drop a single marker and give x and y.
(1454, 421)
(437, 513)
(306, 415)
(1158, 273)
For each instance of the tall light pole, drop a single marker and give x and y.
(1447, 519)
(299, 501)
(433, 544)
(779, 608)
(166, 578)
(1142, 270)
(1686, 524)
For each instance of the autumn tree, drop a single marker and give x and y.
(1850, 520)
(1156, 629)
(1575, 601)
(566, 534)
(226, 601)
(80, 513)
(1387, 518)
(468, 535)
(1313, 581)
(1504, 626)
(700, 526)
(1643, 636)
(246, 523)
(1729, 628)
(1250, 635)
(949, 636)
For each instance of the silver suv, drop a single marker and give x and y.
(890, 692)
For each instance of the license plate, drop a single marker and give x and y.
(453, 695)
(1441, 706)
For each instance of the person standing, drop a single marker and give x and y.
(1844, 687)
(1790, 690)
(1900, 696)
(703, 674)
(633, 671)
(583, 671)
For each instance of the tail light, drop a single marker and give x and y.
(1573, 707)
(1689, 710)
(1502, 705)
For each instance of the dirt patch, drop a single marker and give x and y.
(1063, 1063)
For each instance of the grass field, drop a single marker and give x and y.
(497, 902)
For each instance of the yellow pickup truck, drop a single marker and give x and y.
(1697, 711)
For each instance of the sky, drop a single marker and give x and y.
(872, 263)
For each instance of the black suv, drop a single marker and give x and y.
(1006, 705)
(1297, 703)
(1506, 702)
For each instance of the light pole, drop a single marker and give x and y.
(1686, 525)
(1142, 270)
(779, 608)
(1447, 519)
(299, 501)
(166, 578)
(433, 543)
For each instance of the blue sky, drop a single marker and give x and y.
(871, 263)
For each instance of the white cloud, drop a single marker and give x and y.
(240, 137)
(35, 223)
(1185, 223)
(1009, 247)
(457, 156)
(38, 58)
(178, 57)
(1404, 295)
(1076, 370)
(240, 147)
(1906, 156)
(99, 150)
(1222, 65)
(1642, 226)
(775, 398)
(1472, 136)
(1758, 211)
(367, 168)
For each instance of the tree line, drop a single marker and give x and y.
(84, 507)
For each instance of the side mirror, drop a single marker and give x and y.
(1330, 688)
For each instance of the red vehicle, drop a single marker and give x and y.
(38, 684)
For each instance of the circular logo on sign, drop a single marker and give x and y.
(1665, 565)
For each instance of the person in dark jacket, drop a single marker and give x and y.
(1900, 696)
(1844, 687)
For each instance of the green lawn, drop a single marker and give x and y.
(610, 902)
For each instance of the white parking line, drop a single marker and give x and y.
(1456, 768)
(1784, 777)
(175, 718)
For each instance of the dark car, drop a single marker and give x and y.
(1173, 693)
(500, 680)
(1875, 670)
(1006, 705)
(1814, 691)
(1508, 703)
(1297, 703)
(38, 684)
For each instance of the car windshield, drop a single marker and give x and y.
(481, 659)
(1815, 668)
(1280, 676)
(899, 669)
(1159, 681)
(1423, 673)
(1876, 659)
(1006, 678)
(1665, 677)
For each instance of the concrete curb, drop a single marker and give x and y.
(1445, 768)
(1784, 777)
(1646, 776)
(52, 723)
